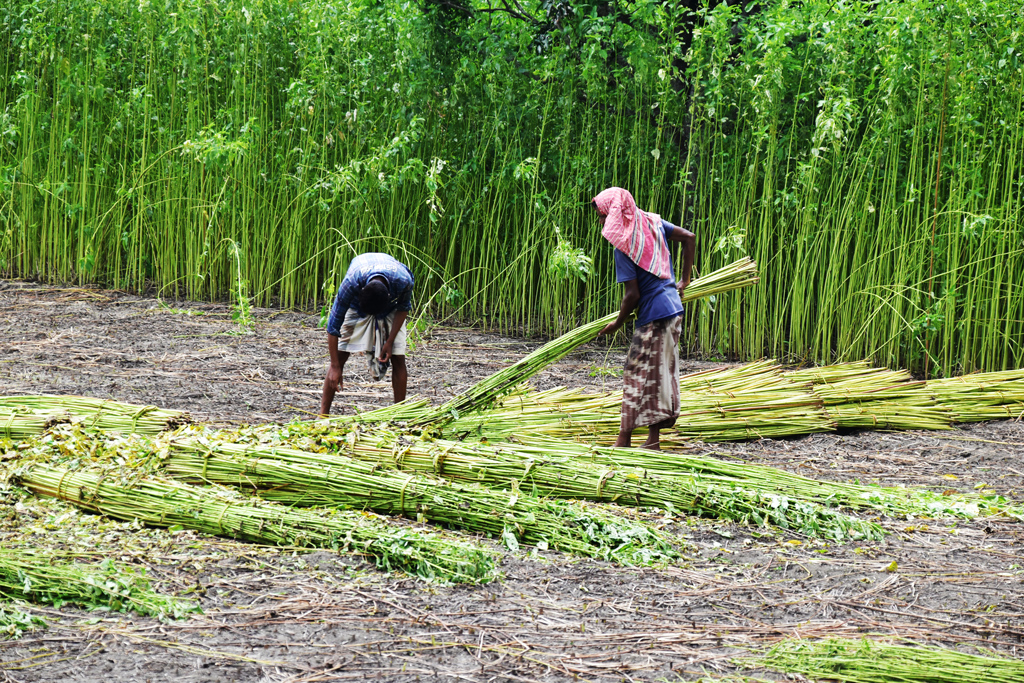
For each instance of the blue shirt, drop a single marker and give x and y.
(658, 298)
(362, 269)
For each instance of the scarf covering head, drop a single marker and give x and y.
(634, 232)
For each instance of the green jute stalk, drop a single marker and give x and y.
(865, 661)
(595, 418)
(752, 401)
(163, 503)
(294, 477)
(412, 409)
(548, 473)
(48, 578)
(857, 396)
(889, 415)
(893, 501)
(20, 423)
(980, 396)
(857, 373)
(754, 377)
(747, 402)
(742, 273)
(98, 413)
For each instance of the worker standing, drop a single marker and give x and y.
(650, 396)
(368, 315)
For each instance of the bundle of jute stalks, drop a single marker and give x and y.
(38, 412)
(19, 422)
(553, 471)
(867, 661)
(742, 273)
(162, 502)
(298, 478)
(51, 578)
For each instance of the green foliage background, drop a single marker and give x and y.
(140, 140)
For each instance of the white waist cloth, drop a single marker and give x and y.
(357, 334)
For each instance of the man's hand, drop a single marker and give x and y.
(683, 283)
(333, 382)
(334, 378)
(630, 298)
(385, 351)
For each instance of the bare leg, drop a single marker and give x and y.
(399, 377)
(654, 434)
(625, 439)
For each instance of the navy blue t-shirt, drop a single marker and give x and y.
(658, 298)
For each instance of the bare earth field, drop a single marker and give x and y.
(280, 615)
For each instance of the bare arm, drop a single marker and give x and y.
(333, 382)
(689, 241)
(630, 298)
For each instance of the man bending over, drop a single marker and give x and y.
(368, 316)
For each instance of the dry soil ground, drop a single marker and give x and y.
(283, 615)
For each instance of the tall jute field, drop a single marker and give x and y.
(866, 155)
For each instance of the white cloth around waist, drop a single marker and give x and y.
(357, 334)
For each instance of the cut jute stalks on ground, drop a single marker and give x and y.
(761, 400)
(295, 478)
(22, 416)
(21, 423)
(551, 473)
(220, 512)
(50, 578)
(866, 661)
(14, 623)
(737, 275)
(709, 470)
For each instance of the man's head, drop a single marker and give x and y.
(373, 297)
(601, 215)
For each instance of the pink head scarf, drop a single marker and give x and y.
(636, 233)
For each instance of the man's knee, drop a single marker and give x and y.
(398, 362)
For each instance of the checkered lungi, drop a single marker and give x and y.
(651, 375)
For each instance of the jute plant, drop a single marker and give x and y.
(272, 132)
(35, 413)
(50, 578)
(221, 512)
(554, 473)
(298, 478)
(867, 661)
